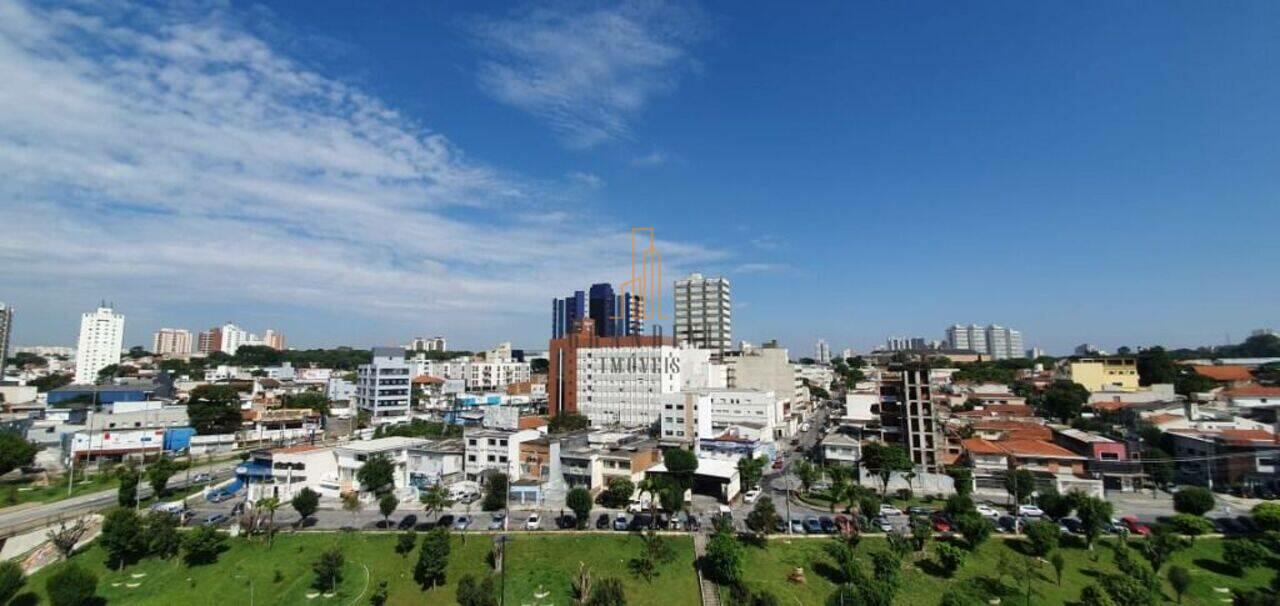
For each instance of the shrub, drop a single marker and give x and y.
(1267, 515)
(202, 546)
(328, 570)
(1042, 537)
(72, 585)
(1190, 525)
(950, 558)
(1194, 500)
(11, 580)
(975, 528)
(1242, 554)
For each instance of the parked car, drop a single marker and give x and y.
(497, 521)
(620, 522)
(1008, 524)
(533, 523)
(941, 523)
(462, 523)
(216, 519)
(1116, 527)
(676, 523)
(828, 525)
(567, 522)
(779, 524)
(919, 510)
(407, 522)
(641, 521)
(636, 507)
(1249, 525)
(663, 521)
(797, 527)
(843, 524)
(889, 510)
(1135, 526)
(1228, 526)
(201, 478)
(444, 521)
(882, 524)
(750, 496)
(1030, 511)
(602, 522)
(988, 511)
(692, 523)
(1073, 525)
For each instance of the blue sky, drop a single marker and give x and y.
(1101, 172)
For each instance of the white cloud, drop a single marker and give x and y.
(655, 158)
(587, 72)
(760, 268)
(585, 179)
(767, 242)
(180, 152)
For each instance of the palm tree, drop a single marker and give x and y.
(435, 499)
(270, 505)
(651, 485)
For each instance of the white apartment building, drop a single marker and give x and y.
(624, 385)
(101, 339)
(172, 342)
(766, 369)
(703, 414)
(425, 344)
(995, 341)
(492, 370)
(703, 316)
(382, 386)
(822, 352)
(232, 338)
(495, 450)
(352, 456)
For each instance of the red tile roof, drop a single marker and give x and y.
(1247, 391)
(1036, 448)
(1224, 372)
(428, 380)
(980, 446)
(1246, 436)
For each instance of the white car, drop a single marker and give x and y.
(533, 522)
(1030, 511)
(890, 510)
(987, 511)
(751, 495)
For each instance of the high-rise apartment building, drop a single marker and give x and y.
(994, 341)
(171, 342)
(382, 386)
(6, 331)
(907, 417)
(612, 314)
(704, 313)
(101, 339)
(273, 339)
(232, 338)
(425, 344)
(822, 352)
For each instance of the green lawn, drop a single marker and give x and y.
(282, 574)
(17, 493)
(768, 569)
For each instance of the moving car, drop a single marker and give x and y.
(201, 478)
(620, 522)
(889, 510)
(497, 521)
(462, 523)
(1030, 511)
(751, 495)
(216, 519)
(602, 522)
(533, 522)
(407, 522)
(1135, 526)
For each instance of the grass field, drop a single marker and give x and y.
(538, 565)
(768, 569)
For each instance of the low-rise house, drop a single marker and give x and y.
(1108, 459)
(1226, 458)
(493, 450)
(1053, 466)
(353, 455)
(842, 448)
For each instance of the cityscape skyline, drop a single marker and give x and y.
(277, 219)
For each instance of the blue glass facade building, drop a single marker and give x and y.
(614, 315)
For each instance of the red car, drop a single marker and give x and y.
(1135, 526)
(843, 525)
(941, 523)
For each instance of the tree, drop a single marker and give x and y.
(202, 546)
(475, 593)
(579, 500)
(1195, 500)
(1242, 554)
(1160, 545)
(671, 496)
(306, 503)
(161, 532)
(127, 494)
(433, 558)
(65, 538)
(958, 505)
(1095, 515)
(655, 550)
(495, 492)
(313, 400)
(962, 479)
(750, 470)
(608, 592)
(1059, 565)
(1020, 484)
(214, 409)
(158, 475)
(1094, 595)
(377, 475)
(921, 532)
(566, 422)
(1055, 505)
(122, 537)
(681, 466)
(379, 595)
(807, 473)
(1063, 400)
(406, 541)
(762, 517)
(435, 499)
(950, 558)
(723, 561)
(15, 451)
(1180, 580)
(386, 506)
(72, 585)
(1042, 537)
(11, 580)
(1155, 365)
(1267, 515)
(619, 491)
(975, 529)
(883, 459)
(327, 570)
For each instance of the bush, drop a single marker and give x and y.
(975, 528)
(723, 562)
(1242, 554)
(72, 585)
(1042, 537)
(950, 558)
(1190, 525)
(202, 546)
(11, 580)
(328, 570)
(1267, 515)
(1194, 500)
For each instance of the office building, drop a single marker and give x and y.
(382, 386)
(704, 313)
(101, 339)
(6, 331)
(612, 314)
(171, 342)
(822, 352)
(766, 369)
(705, 414)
